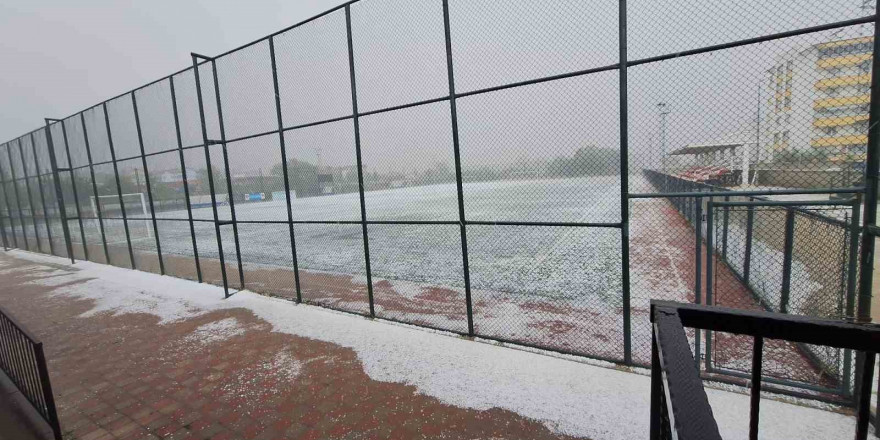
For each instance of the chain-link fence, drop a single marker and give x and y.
(778, 256)
(531, 172)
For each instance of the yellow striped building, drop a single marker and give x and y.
(819, 99)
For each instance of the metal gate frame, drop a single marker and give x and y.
(791, 207)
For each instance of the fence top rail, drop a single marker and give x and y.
(789, 203)
(734, 193)
(804, 329)
(19, 326)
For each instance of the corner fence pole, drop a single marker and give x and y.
(360, 168)
(137, 123)
(698, 277)
(118, 186)
(59, 195)
(42, 191)
(195, 60)
(787, 252)
(456, 147)
(284, 168)
(192, 227)
(231, 194)
(98, 208)
(872, 169)
(27, 186)
(624, 183)
(82, 231)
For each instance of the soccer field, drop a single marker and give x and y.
(556, 287)
(534, 260)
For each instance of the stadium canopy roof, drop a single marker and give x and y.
(705, 148)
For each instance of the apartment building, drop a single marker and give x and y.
(818, 104)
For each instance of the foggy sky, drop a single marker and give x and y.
(61, 57)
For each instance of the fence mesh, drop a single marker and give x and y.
(459, 165)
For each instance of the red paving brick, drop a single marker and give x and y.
(127, 377)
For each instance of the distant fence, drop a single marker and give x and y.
(458, 165)
(782, 257)
(23, 361)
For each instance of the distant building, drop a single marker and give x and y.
(176, 177)
(819, 98)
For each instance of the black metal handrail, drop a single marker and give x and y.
(679, 403)
(23, 361)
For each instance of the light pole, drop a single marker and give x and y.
(661, 107)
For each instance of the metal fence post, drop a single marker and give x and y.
(15, 193)
(787, 251)
(118, 186)
(229, 182)
(624, 182)
(42, 192)
(747, 258)
(285, 171)
(872, 169)
(59, 195)
(30, 196)
(865, 374)
(99, 212)
(656, 384)
(877, 415)
(851, 282)
(46, 386)
(82, 232)
(698, 225)
(137, 123)
(8, 210)
(755, 398)
(462, 222)
(357, 146)
(852, 269)
(192, 227)
(195, 60)
(725, 220)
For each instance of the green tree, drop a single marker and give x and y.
(303, 177)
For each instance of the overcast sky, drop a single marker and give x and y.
(60, 56)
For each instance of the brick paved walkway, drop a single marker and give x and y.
(222, 375)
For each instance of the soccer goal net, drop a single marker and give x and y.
(135, 210)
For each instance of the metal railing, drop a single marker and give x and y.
(23, 361)
(746, 247)
(811, 240)
(679, 405)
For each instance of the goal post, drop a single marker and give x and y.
(136, 211)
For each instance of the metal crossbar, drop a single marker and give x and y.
(678, 400)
